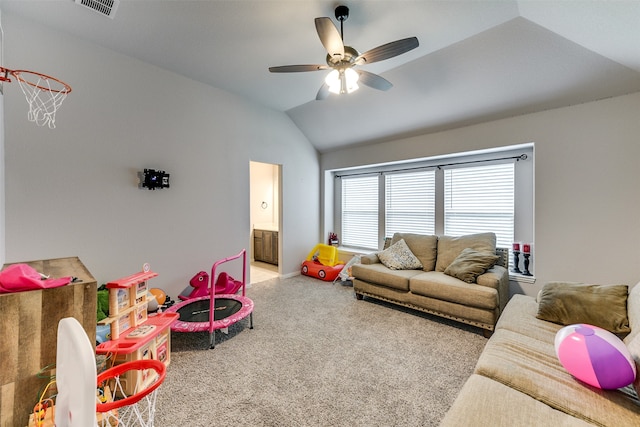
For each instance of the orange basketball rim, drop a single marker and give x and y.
(43, 93)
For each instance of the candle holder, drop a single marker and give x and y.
(526, 265)
(516, 262)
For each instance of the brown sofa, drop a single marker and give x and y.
(432, 289)
(519, 381)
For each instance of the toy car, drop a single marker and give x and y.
(321, 271)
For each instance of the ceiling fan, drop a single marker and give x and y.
(343, 59)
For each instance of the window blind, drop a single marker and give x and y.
(360, 212)
(480, 199)
(410, 203)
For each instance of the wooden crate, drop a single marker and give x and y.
(29, 332)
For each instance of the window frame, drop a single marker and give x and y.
(522, 155)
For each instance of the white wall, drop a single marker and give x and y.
(73, 191)
(586, 184)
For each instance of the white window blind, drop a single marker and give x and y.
(410, 203)
(480, 199)
(360, 212)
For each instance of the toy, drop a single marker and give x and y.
(152, 302)
(102, 304)
(322, 263)
(160, 295)
(215, 311)
(198, 287)
(595, 356)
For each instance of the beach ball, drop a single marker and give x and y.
(161, 297)
(595, 356)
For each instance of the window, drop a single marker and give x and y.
(360, 212)
(410, 202)
(480, 199)
(467, 194)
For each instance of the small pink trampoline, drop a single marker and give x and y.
(215, 311)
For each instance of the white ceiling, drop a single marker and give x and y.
(477, 60)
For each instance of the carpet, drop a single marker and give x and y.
(319, 357)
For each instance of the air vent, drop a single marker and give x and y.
(103, 7)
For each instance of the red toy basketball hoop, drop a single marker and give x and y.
(44, 94)
(139, 408)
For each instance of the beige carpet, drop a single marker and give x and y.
(318, 357)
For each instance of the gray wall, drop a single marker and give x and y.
(586, 204)
(73, 191)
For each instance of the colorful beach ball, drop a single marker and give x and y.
(595, 356)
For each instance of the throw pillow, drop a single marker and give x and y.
(424, 247)
(450, 247)
(399, 257)
(600, 305)
(470, 264)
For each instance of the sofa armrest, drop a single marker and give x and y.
(501, 274)
(369, 259)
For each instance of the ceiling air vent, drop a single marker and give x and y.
(103, 7)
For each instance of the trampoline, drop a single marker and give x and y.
(196, 314)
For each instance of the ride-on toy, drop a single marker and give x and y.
(322, 263)
(199, 286)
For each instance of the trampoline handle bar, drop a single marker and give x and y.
(212, 293)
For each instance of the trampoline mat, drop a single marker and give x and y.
(198, 311)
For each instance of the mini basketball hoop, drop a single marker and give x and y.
(44, 94)
(137, 409)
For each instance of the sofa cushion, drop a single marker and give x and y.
(531, 367)
(399, 257)
(484, 402)
(423, 246)
(381, 275)
(446, 288)
(450, 247)
(600, 305)
(470, 264)
(520, 316)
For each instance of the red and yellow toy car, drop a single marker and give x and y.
(322, 263)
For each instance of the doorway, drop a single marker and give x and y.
(265, 205)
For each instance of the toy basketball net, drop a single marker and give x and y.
(115, 408)
(44, 94)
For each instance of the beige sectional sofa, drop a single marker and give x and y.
(475, 298)
(519, 381)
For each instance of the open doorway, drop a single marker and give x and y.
(265, 202)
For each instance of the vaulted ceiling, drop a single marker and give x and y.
(477, 60)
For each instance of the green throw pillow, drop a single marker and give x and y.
(470, 264)
(399, 257)
(599, 305)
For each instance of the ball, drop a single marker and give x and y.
(161, 297)
(595, 356)
(152, 302)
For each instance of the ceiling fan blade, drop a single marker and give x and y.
(330, 38)
(374, 80)
(387, 51)
(297, 68)
(323, 93)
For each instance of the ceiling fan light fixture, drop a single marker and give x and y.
(342, 81)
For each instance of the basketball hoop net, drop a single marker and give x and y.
(44, 94)
(138, 408)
